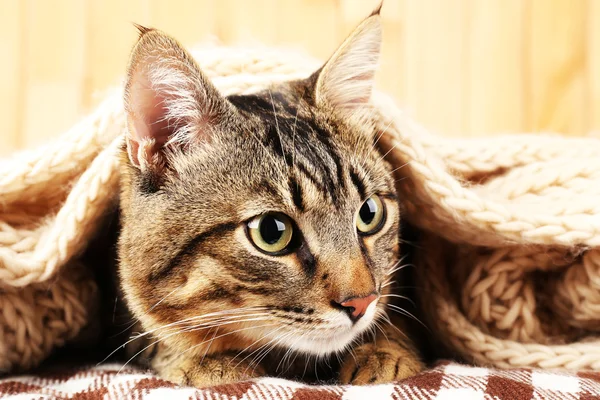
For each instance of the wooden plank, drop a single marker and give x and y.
(495, 80)
(390, 76)
(189, 21)
(11, 48)
(557, 66)
(462, 67)
(437, 64)
(310, 25)
(351, 13)
(110, 37)
(247, 22)
(53, 67)
(593, 65)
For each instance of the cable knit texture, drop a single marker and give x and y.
(509, 266)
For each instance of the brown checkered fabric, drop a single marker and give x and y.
(446, 381)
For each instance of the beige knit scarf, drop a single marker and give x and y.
(509, 266)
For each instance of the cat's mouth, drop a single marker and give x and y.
(333, 335)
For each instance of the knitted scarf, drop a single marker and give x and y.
(509, 264)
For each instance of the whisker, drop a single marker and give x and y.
(204, 338)
(285, 355)
(316, 370)
(258, 359)
(249, 346)
(402, 311)
(382, 133)
(374, 144)
(373, 332)
(162, 339)
(277, 123)
(339, 359)
(136, 320)
(394, 265)
(387, 319)
(402, 166)
(201, 343)
(399, 296)
(405, 287)
(227, 334)
(376, 323)
(388, 283)
(302, 336)
(232, 320)
(208, 324)
(308, 356)
(209, 345)
(380, 159)
(353, 355)
(218, 314)
(396, 268)
(400, 268)
(294, 138)
(180, 322)
(165, 297)
(290, 351)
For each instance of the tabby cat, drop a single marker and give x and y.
(260, 232)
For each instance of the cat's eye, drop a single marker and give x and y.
(271, 232)
(370, 216)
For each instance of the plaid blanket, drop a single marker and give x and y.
(445, 381)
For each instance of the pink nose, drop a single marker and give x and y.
(357, 306)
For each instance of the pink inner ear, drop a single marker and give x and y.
(147, 113)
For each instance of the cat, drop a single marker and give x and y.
(259, 232)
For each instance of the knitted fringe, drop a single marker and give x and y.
(510, 266)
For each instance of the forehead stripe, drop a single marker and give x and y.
(296, 192)
(359, 184)
(189, 249)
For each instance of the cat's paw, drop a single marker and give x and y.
(370, 364)
(210, 371)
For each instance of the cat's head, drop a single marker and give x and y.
(271, 215)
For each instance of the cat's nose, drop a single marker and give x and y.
(356, 307)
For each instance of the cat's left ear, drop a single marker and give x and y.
(170, 104)
(346, 80)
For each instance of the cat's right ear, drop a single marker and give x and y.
(169, 102)
(347, 79)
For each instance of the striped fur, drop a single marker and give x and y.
(198, 167)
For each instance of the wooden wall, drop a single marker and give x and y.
(461, 67)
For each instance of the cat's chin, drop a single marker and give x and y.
(324, 345)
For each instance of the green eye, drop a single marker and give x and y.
(370, 216)
(271, 232)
